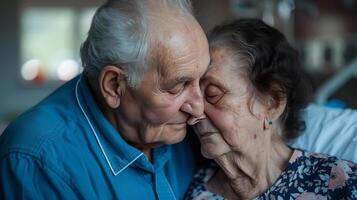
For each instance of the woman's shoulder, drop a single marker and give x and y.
(340, 176)
(197, 189)
(317, 175)
(318, 162)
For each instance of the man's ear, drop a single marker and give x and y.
(112, 85)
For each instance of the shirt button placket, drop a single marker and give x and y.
(163, 188)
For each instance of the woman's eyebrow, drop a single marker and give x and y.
(208, 68)
(211, 78)
(215, 80)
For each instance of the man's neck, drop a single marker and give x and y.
(248, 174)
(121, 126)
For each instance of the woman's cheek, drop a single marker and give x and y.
(220, 117)
(226, 121)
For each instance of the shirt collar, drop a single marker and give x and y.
(117, 153)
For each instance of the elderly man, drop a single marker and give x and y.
(116, 131)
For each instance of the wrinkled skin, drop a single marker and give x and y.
(157, 111)
(231, 124)
(235, 133)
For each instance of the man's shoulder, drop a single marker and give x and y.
(50, 118)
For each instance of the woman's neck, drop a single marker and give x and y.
(252, 171)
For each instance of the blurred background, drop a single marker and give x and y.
(40, 41)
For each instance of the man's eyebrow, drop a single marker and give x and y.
(178, 80)
(183, 79)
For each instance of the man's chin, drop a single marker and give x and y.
(176, 136)
(147, 145)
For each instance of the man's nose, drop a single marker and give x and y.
(194, 104)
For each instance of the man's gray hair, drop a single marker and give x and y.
(119, 35)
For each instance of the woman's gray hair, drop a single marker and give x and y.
(119, 35)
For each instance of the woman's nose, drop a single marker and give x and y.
(194, 120)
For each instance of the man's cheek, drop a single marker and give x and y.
(157, 117)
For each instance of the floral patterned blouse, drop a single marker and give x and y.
(308, 176)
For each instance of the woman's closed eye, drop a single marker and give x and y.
(213, 94)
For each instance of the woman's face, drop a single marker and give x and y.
(231, 124)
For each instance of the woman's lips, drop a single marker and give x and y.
(205, 127)
(206, 134)
(194, 120)
(177, 122)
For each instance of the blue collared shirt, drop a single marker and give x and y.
(64, 148)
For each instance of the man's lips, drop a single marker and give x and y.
(177, 126)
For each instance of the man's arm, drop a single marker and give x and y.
(23, 176)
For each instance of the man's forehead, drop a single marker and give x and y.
(169, 59)
(177, 51)
(185, 74)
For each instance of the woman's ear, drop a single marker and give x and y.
(276, 108)
(112, 85)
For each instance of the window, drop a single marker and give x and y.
(50, 42)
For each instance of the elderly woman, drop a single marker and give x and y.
(254, 93)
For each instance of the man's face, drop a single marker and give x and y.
(169, 93)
